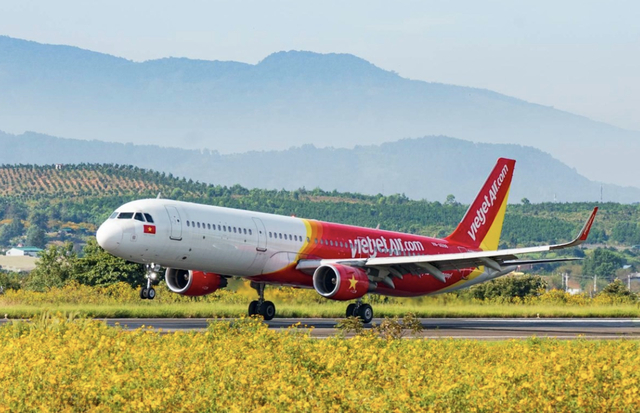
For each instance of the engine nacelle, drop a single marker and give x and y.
(193, 283)
(340, 282)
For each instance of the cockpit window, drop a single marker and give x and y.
(139, 217)
(148, 217)
(125, 215)
(115, 214)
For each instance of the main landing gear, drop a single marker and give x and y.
(261, 307)
(148, 292)
(363, 311)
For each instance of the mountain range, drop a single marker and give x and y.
(289, 99)
(426, 168)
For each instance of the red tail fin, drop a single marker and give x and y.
(482, 224)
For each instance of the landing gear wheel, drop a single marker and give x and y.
(144, 293)
(267, 310)
(365, 312)
(253, 308)
(151, 293)
(351, 310)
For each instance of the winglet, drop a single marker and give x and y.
(582, 236)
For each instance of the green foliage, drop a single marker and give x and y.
(508, 287)
(10, 230)
(11, 280)
(56, 265)
(35, 237)
(617, 289)
(60, 265)
(603, 263)
(99, 268)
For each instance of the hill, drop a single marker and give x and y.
(426, 168)
(288, 99)
(37, 198)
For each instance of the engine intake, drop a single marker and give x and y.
(340, 282)
(193, 283)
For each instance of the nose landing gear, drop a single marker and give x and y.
(264, 308)
(148, 292)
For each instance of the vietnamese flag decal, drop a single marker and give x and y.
(149, 229)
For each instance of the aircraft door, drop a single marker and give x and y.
(262, 235)
(176, 223)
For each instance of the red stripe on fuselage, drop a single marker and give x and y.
(339, 241)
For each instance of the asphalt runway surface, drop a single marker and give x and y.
(468, 328)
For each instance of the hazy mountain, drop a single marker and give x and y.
(426, 168)
(287, 99)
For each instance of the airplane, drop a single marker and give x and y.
(201, 246)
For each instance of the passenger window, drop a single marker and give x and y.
(316, 240)
(234, 230)
(245, 231)
(309, 239)
(208, 226)
(224, 228)
(219, 228)
(249, 232)
(198, 225)
(280, 234)
(331, 243)
(188, 223)
(270, 234)
(290, 237)
(148, 217)
(125, 215)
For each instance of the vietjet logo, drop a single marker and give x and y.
(489, 199)
(372, 246)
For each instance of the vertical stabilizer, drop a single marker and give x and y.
(482, 224)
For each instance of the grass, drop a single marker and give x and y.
(327, 310)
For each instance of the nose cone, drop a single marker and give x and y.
(109, 236)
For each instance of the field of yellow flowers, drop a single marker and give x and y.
(121, 300)
(56, 364)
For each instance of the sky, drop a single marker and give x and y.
(579, 56)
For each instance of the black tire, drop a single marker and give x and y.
(365, 312)
(351, 310)
(151, 293)
(144, 294)
(268, 310)
(253, 308)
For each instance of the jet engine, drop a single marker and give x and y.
(193, 283)
(341, 282)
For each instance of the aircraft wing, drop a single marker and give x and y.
(437, 264)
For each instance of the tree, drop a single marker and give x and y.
(510, 287)
(35, 237)
(617, 289)
(56, 265)
(451, 200)
(98, 267)
(602, 263)
(10, 230)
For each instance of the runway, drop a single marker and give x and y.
(468, 328)
(436, 328)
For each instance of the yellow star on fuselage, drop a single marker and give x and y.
(353, 282)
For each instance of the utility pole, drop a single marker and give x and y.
(595, 279)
